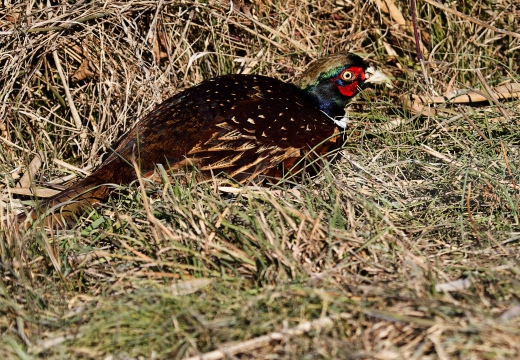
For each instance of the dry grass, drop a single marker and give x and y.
(363, 254)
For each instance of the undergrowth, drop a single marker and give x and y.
(406, 246)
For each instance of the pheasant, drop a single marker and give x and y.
(246, 127)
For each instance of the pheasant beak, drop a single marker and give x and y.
(377, 77)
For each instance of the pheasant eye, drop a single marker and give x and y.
(347, 75)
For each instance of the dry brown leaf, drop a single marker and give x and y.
(424, 104)
(189, 286)
(388, 7)
(158, 46)
(32, 169)
(39, 192)
(83, 71)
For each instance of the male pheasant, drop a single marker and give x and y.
(244, 126)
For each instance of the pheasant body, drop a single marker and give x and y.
(245, 126)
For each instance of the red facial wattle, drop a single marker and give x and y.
(348, 90)
(351, 87)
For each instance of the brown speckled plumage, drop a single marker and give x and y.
(246, 126)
